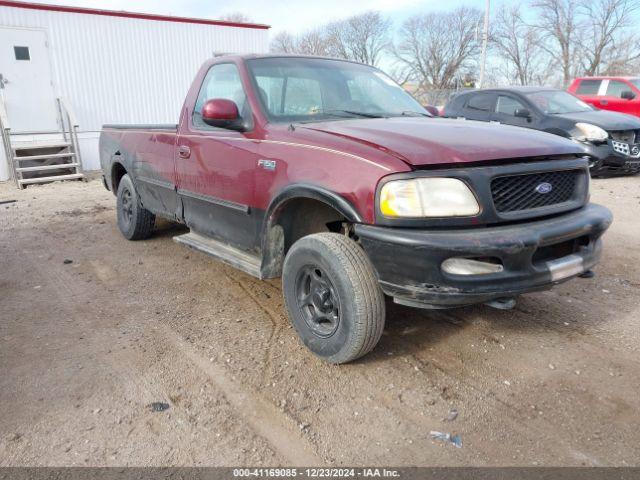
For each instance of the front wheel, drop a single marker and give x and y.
(333, 297)
(134, 221)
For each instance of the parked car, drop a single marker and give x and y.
(433, 110)
(611, 139)
(328, 174)
(618, 94)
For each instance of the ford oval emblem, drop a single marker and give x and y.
(544, 187)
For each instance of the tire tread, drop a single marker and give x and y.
(369, 299)
(144, 219)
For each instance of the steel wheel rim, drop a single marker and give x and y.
(127, 206)
(318, 301)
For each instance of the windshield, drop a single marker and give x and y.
(635, 82)
(553, 102)
(309, 89)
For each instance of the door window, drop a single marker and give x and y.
(221, 81)
(508, 105)
(482, 102)
(616, 87)
(22, 53)
(290, 95)
(588, 87)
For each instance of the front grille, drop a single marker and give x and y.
(516, 193)
(627, 136)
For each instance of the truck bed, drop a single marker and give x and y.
(140, 126)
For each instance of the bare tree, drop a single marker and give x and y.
(314, 42)
(311, 42)
(626, 60)
(437, 48)
(283, 42)
(518, 45)
(236, 17)
(606, 39)
(559, 23)
(362, 38)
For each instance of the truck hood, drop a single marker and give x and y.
(604, 119)
(435, 141)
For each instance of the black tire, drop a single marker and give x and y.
(597, 170)
(134, 221)
(333, 298)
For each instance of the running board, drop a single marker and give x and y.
(225, 253)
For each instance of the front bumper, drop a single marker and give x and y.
(607, 159)
(535, 256)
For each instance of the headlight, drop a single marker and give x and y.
(591, 133)
(428, 197)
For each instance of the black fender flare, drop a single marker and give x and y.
(314, 192)
(116, 161)
(273, 236)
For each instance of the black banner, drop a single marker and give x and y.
(413, 473)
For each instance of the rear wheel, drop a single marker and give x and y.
(332, 296)
(134, 221)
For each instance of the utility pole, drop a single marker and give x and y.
(485, 41)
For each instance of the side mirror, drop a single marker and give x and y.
(522, 113)
(627, 95)
(432, 110)
(222, 113)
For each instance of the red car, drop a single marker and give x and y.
(328, 174)
(618, 94)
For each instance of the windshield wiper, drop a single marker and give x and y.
(411, 113)
(353, 112)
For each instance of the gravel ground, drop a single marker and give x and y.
(95, 329)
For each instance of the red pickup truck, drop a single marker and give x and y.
(618, 94)
(328, 174)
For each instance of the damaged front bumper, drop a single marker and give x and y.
(609, 158)
(534, 256)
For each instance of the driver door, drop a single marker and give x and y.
(216, 167)
(612, 98)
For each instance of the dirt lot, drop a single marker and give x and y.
(93, 329)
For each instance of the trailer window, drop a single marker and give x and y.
(22, 53)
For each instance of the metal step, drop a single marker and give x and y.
(47, 167)
(225, 253)
(28, 181)
(44, 157)
(15, 146)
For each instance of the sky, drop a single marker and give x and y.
(294, 16)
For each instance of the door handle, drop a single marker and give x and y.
(184, 151)
(604, 102)
(3, 81)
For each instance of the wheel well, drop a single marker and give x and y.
(295, 219)
(117, 172)
(305, 216)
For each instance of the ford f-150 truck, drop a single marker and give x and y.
(328, 174)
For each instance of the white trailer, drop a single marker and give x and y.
(65, 71)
